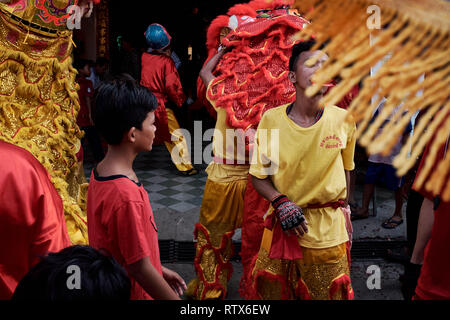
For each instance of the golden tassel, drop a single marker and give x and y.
(414, 40)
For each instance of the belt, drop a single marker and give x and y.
(230, 162)
(334, 205)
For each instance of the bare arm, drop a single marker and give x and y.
(151, 280)
(265, 188)
(347, 182)
(424, 228)
(206, 72)
(174, 280)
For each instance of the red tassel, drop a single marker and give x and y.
(221, 265)
(342, 284)
(302, 290)
(270, 277)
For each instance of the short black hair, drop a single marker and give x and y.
(100, 277)
(120, 105)
(297, 49)
(80, 63)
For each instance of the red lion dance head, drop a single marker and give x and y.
(253, 75)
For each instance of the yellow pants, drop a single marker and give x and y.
(322, 274)
(220, 215)
(181, 159)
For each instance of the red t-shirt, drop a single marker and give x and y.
(32, 220)
(120, 221)
(86, 92)
(434, 280)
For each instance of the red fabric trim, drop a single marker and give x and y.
(246, 289)
(221, 265)
(342, 283)
(302, 290)
(270, 277)
(255, 206)
(283, 246)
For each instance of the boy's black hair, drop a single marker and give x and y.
(79, 63)
(120, 105)
(297, 49)
(100, 277)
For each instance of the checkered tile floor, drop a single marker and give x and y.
(166, 187)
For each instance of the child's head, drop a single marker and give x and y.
(83, 67)
(75, 273)
(124, 113)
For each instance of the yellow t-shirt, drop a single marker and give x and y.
(308, 166)
(228, 144)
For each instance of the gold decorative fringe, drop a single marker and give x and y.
(38, 108)
(414, 40)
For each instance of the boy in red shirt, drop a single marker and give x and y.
(120, 218)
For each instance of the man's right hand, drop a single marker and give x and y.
(206, 73)
(290, 215)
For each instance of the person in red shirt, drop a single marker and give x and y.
(160, 75)
(31, 216)
(84, 121)
(433, 236)
(120, 218)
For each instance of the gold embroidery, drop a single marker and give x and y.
(267, 288)
(34, 69)
(8, 82)
(317, 277)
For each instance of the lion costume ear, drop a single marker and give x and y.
(213, 33)
(412, 39)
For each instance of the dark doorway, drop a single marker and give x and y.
(186, 22)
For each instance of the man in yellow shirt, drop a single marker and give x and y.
(302, 156)
(222, 204)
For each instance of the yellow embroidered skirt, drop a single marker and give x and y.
(321, 274)
(220, 215)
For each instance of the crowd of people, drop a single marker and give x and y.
(298, 181)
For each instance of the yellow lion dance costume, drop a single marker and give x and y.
(38, 96)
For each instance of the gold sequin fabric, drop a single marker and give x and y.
(275, 279)
(38, 109)
(220, 215)
(213, 267)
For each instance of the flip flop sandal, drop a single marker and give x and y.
(391, 223)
